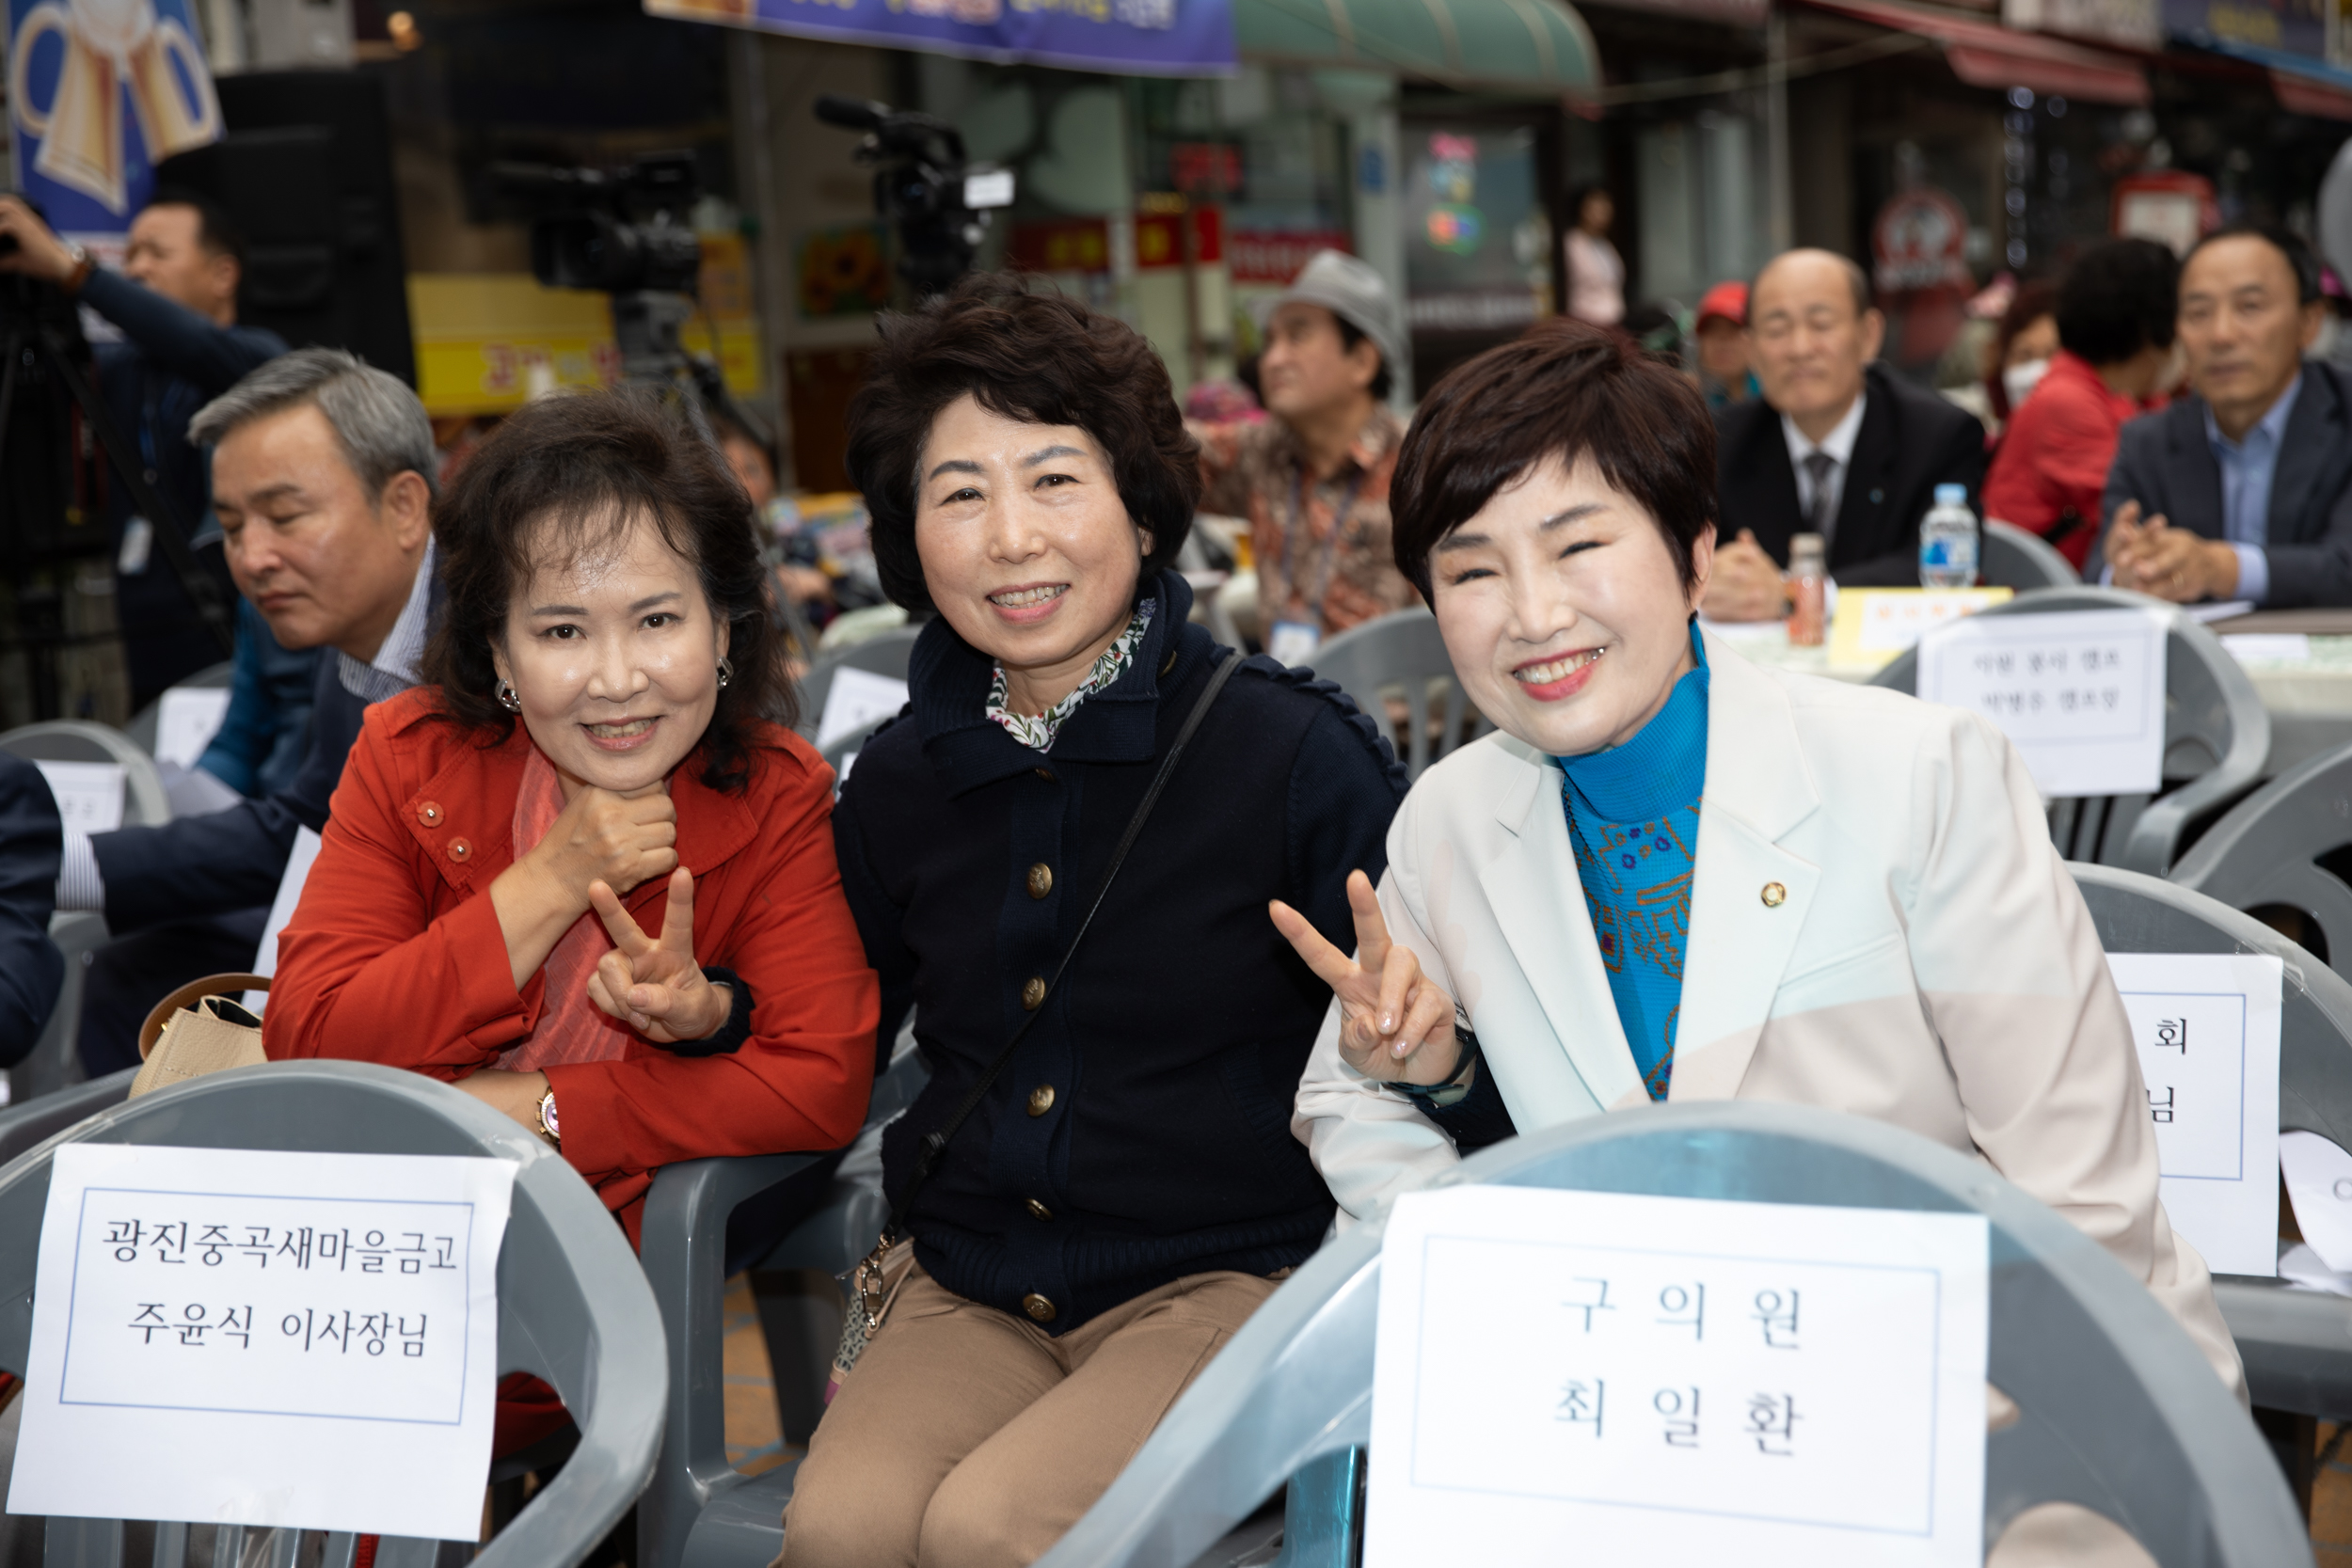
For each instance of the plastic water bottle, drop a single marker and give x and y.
(1948, 541)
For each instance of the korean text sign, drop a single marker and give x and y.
(1152, 37)
(251, 1338)
(1676, 1380)
(2078, 692)
(2207, 1028)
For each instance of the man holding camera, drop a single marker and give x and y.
(176, 303)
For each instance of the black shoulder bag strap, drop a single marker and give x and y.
(935, 1142)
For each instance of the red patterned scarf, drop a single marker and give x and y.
(571, 1027)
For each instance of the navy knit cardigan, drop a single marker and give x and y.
(1174, 1045)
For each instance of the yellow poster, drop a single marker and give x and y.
(486, 340)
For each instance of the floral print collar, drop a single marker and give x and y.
(1037, 731)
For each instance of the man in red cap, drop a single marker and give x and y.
(1722, 339)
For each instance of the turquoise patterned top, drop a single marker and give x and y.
(1633, 816)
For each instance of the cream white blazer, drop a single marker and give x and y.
(1878, 924)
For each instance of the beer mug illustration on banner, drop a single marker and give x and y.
(110, 48)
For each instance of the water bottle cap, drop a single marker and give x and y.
(1951, 495)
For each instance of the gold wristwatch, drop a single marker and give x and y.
(547, 1128)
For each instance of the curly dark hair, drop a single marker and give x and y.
(1563, 389)
(1037, 356)
(574, 473)
(2120, 296)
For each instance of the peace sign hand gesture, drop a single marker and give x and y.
(1395, 1023)
(656, 988)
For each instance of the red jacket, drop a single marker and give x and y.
(2055, 454)
(395, 955)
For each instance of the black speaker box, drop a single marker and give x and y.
(306, 169)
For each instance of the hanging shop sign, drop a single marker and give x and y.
(100, 91)
(1153, 38)
(2298, 26)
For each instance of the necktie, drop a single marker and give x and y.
(1821, 517)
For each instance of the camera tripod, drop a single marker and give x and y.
(41, 345)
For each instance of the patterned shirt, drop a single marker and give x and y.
(1633, 817)
(1257, 471)
(1037, 731)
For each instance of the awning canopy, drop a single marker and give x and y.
(1984, 53)
(1525, 46)
(2303, 84)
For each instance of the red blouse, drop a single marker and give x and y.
(394, 955)
(2055, 454)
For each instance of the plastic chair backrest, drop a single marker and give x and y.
(144, 723)
(2149, 914)
(78, 740)
(573, 1305)
(845, 750)
(1401, 654)
(2014, 557)
(2118, 1411)
(886, 655)
(2216, 737)
(684, 1255)
(2277, 845)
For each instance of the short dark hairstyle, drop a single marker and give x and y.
(2300, 260)
(1383, 381)
(2119, 297)
(1567, 390)
(1030, 355)
(215, 230)
(572, 473)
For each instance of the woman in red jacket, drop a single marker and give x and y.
(538, 910)
(2115, 313)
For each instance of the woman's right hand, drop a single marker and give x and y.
(615, 839)
(1396, 1024)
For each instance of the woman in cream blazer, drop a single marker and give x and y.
(1870, 917)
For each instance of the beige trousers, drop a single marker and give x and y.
(970, 1438)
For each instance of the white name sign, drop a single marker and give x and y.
(186, 719)
(1676, 1380)
(231, 1337)
(855, 699)
(2207, 1028)
(89, 794)
(2079, 694)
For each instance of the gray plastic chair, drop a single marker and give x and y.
(2275, 847)
(2298, 1344)
(2016, 558)
(24, 1125)
(2216, 738)
(79, 740)
(52, 1064)
(886, 655)
(2119, 1413)
(699, 1512)
(143, 724)
(1401, 654)
(573, 1305)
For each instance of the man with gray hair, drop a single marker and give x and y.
(323, 478)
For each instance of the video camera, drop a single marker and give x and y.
(939, 200)
(617, 230)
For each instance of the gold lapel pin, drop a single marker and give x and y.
(1774, 895)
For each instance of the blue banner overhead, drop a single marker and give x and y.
(100, 91)
(1160, 38)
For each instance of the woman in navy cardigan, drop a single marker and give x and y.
(1128, 1191)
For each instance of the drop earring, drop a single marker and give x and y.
(507, 698)
(727, 673)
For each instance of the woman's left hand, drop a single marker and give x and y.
(656, 988)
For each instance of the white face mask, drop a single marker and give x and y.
(2017, 380)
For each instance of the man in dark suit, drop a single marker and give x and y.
(1837, 446)
(323, 476)
(31, 968)
(2242, 490)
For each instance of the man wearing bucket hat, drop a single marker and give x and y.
(1314, 479)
